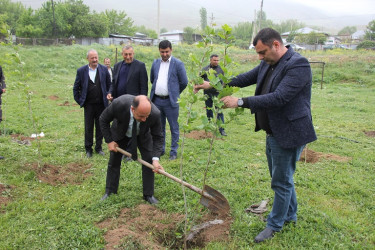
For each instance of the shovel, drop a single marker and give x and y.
(210, 198)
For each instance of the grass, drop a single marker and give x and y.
(336, 199)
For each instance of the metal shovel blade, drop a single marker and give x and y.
(214, 201)
(210, 198)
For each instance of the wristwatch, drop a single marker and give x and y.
(240, 102)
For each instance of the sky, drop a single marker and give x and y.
(329, 15)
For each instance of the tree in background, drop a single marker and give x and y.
(188, 35)
(288, 25)
(28, 25)
(203, 13)
(347, 31)
(310, 38)
(120, 23)
(370, 33)
(163, 30)
(10, 12)
(149, 32)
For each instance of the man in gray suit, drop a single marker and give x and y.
(282, 107)
(125, 112)
(169, 79)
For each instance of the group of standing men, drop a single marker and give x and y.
(124, 102)
(281, 105)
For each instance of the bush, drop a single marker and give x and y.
(366, 45)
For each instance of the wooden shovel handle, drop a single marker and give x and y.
(145, 163)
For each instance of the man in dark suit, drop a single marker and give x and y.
(2, 90)
(129, 76)
(90, 91)
(169, 79)
(282, 107)
(214, 65)
(123, 112)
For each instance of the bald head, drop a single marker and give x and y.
(141, 108)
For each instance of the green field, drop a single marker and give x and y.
(336, 194)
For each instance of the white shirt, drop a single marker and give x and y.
(92, 73)
(161, 87)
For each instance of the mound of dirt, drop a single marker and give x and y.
(53, 97)
(4, 195)
(199, 135)
(370, 133)
(147, 227)
(66, 103)
(73, 173)
(311, 156)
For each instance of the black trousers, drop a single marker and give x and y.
(114, 166)
(92, 113)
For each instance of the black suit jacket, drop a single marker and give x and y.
(137, 82)
(81, 83)
(149, 136)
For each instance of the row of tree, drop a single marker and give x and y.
(72, 18)
(64, 19)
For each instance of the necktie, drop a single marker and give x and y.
(133, 143)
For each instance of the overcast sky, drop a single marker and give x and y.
(329, 15)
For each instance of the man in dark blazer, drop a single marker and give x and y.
(90, 91)
(282, 107)
(2, 90)
(169, 79)
(122, 112)
(129, 76)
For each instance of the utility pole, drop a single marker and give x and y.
(212, 20)
(54, 20)
(158, 20)
(261, 15)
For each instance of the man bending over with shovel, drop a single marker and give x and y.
(136, 120)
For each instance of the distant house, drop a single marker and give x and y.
(333, 40)
(358, 35)
(177, 36)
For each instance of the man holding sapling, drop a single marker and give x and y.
(282, 109)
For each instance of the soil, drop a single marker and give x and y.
(73, 173)
(4, 195)
(311, 156)
(21, 139)
(199, 135)
(370, 133)
(147, 227)
(53, 97)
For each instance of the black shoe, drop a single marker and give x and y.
(150, 199)
(173, 157)
(1, 157)
(88, 154)
(100, 152)
(264, 235)
(222, 132)
(105, 196)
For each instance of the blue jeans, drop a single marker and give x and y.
(282, 165)
(171, 114)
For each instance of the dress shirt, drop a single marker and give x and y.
(92, 73)
(161, 88)
(130, 127)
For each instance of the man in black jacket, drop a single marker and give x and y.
(214, 64)
(2, 90)
(129, 76)
(90, 91)
(123, 112)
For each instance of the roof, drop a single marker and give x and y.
(305, 30)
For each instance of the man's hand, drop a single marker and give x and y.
(109, 97)
(112, 146)
(157, 166)
(4, 90)
(230, 101)
(204, 85)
